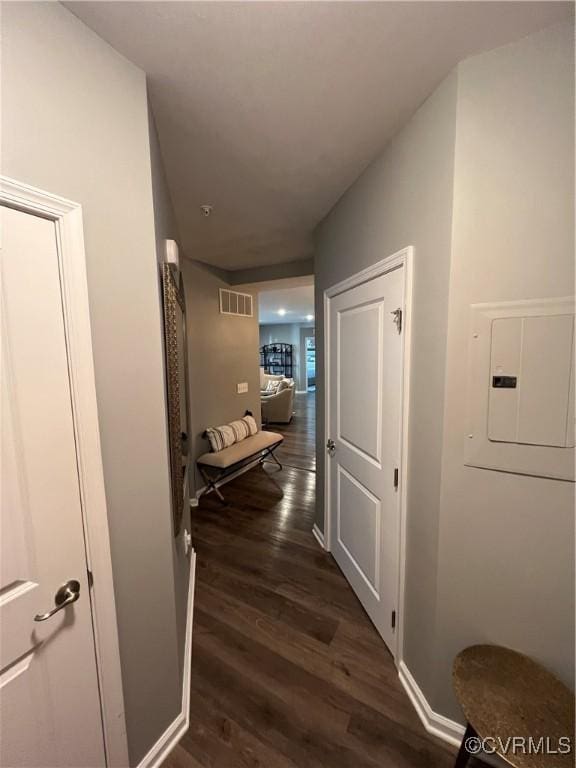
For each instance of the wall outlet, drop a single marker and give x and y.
(242, 388)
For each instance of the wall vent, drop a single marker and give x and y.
(234, 303)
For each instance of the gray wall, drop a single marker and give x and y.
(270, 272)
(290, 333)
(506, 549)
(75, 123)
(405, 198)
(166, 228)
(223, 352)
(481, 182)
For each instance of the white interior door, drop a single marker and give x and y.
(49, 701)
(365, 385)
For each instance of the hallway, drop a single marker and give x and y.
(299, 449)
(287, 670)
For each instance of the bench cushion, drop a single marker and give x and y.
(240, 451)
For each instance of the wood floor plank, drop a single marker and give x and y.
(358, 680)
(225, 744)
(281, 609)
(287, 669)
(269, 718)
(180, 757)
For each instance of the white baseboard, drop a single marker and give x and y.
(178, 727)
(319, 536)
(438, 725)
(165, 744)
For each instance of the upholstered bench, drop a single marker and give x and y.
(260, 446)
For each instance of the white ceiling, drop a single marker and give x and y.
(297, 303)
(268, 111)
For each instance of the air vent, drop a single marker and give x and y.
(234, 303)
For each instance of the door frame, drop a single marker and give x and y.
(404, 259)
(67, 217)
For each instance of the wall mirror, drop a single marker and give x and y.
(177, 388)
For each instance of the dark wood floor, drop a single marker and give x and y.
(298, 449)
(287, 669)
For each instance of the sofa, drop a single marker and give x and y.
(277, 398)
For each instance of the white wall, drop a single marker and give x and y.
(75, 123)
(166, 228)
(405, 198)
(506, 548)
(481, 182)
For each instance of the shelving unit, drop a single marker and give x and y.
(276, 359)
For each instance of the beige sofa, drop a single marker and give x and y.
(278, 407)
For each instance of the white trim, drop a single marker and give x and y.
(327, 515)
(397, 259)
(67, 217)
(319, 536)
(403, 258)
(178, 727)
(404, 445)
(438, 725)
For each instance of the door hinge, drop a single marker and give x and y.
(393, 621)
(397, 313)
(90, 579)
(396, 477)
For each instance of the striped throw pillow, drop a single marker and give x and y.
(251, 424)
(220, 437)
(228, 434)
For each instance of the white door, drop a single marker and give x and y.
(49, 702)
(365, 381)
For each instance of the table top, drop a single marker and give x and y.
(505, 694)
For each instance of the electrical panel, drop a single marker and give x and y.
(521, 388)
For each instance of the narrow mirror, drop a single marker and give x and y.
(177, 387)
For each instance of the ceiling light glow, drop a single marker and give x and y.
(281, 312)
(309, 317)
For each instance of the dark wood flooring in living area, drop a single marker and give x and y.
(299, 446)
(287, 669)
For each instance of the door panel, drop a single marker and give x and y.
(50, 709)
(365, 379)
(359, 371)
(358, 534)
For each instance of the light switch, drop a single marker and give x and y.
(242, 388)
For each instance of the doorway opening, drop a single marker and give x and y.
(367, 326)
(287, 352)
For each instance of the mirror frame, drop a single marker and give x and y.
(173, 297)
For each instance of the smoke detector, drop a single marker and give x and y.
(206, 210)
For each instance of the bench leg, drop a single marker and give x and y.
(211, 481)
(270, 453)
(217, 491)
(211, 485)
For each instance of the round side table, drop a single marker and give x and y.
(504, 696)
